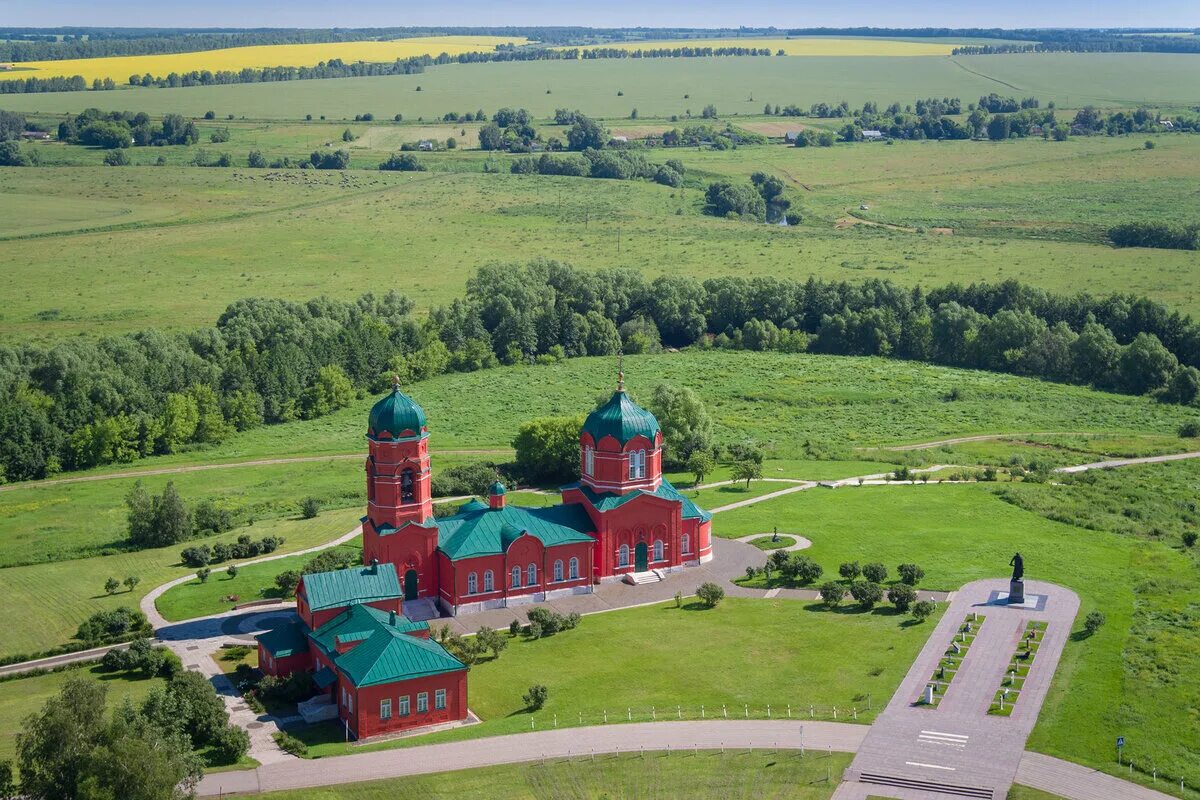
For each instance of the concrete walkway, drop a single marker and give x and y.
(958, 743)
(1129, 462)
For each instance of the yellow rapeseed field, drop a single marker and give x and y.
(119, 68)
(807, 46)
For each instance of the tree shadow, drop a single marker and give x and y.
(696, 605)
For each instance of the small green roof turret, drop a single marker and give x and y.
(620, 418)
(497, 488)
(395, 414)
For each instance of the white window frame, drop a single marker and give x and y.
(405, 706)
(660, 550)
(439, 700)
(515, 577)
(623, 556)
(350, 702)
(685, 543)
(423, 702)
(637, 464)
(589, 460)
(531, 575)
(489, 581)
(472, 583)
(385, 708)
(558, 570)
(574, 569)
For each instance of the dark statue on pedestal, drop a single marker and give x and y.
(1016, 587)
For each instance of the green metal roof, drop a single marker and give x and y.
(397, 414)
(497, 488)
(606, 501)
(486, 531)
(387, 652)
(284, 641)
(324, 678)
(474, 504)
(344, 587)
(622, 419)
(360, 622)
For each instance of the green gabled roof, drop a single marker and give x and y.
(284, 641)
(398, 415)
(607, 501)
(360, 622)
(324, 678)
(344, 587)
(486, 531)
(388, 656)
(474, 504)
(622, 419)
(383, 529)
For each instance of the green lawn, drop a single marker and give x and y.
(770, 543)
(51, 599)
(707, 775)
(255, 582)
(21, 697)
(1137, 676)
(763, 642)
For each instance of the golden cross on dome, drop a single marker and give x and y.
(620, 371)
(395, 381)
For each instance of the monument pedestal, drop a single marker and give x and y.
(1016, 592)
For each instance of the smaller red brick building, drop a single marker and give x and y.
(378, 669)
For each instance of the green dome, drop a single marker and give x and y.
(497, 488)
(394, 415)
(622, 419)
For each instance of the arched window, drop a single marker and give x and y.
(658, 550)
(531, 575)
(407, 486)
(516, 577)
(589, 460)
(623, 556)
(637, 464)
(371, 481)
(472, 583)
(685, 542)
(558, 573)
(488, 582)
(574, 566)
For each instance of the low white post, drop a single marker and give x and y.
(789, 710)
(701, 712)
(556, 720)
(679, 711)
(747, 711)
(653, 716)
(768, 710)
(835, 712)
(629, 713)
(606, 716)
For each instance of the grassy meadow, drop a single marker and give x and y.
(216, 235)
(806, 45)
(707, 776)
(233, 59)
(657, 86)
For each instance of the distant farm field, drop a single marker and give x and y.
(119, 68)
(664, 86)
(805, 46)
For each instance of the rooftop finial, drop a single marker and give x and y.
(620, 371)
(395, 381)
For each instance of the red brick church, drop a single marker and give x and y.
(378, 671)
(621, 518)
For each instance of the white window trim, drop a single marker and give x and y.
(659, 550)
(422, 702)
(685, 542)
(558, 571)
(385, 708)
(623, 556)
(573, 572)
(589, 461)
(531, 575)
(439, 700)
(472, 583)
(405, 706)
(514, 576)
(489, 581)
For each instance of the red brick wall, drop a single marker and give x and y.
(365, 721)
(282, 667)
(611, 473)
(522, 553)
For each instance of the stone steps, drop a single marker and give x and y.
(640, 578)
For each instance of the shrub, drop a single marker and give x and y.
(535, 698)
(109, 626)
(310, 507)
(475, 478)
(804, 569)
(402, 162)
(232, 571)
(230, 744)
(514, 627)
(116, 158)
(902, 596)
(866, 593)
(850, 570)
(287, 582)
(290, 744)
(910, 574)
(1190, 429)
(923, 610)
(710, 594)
(111, 585)
(832, 594)
(875, 572)
(1093, 622)
(131, 582)
(203, 574)
(1189, 538)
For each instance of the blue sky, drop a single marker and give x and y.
(617, 13)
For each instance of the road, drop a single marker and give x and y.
(1129, 462)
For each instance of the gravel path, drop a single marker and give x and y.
(1129, 462)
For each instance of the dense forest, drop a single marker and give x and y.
(85, 402)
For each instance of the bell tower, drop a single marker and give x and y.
(620, 446)
(399, 526)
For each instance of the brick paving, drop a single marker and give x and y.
(958, 742)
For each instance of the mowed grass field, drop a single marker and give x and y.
(804, 45)
(119, 68)
(1030, 210)
(707, 776)
(664, 86)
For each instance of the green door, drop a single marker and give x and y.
(641, 562)
(410, 585)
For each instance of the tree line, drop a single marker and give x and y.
(82, 402)
(1088, 42)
